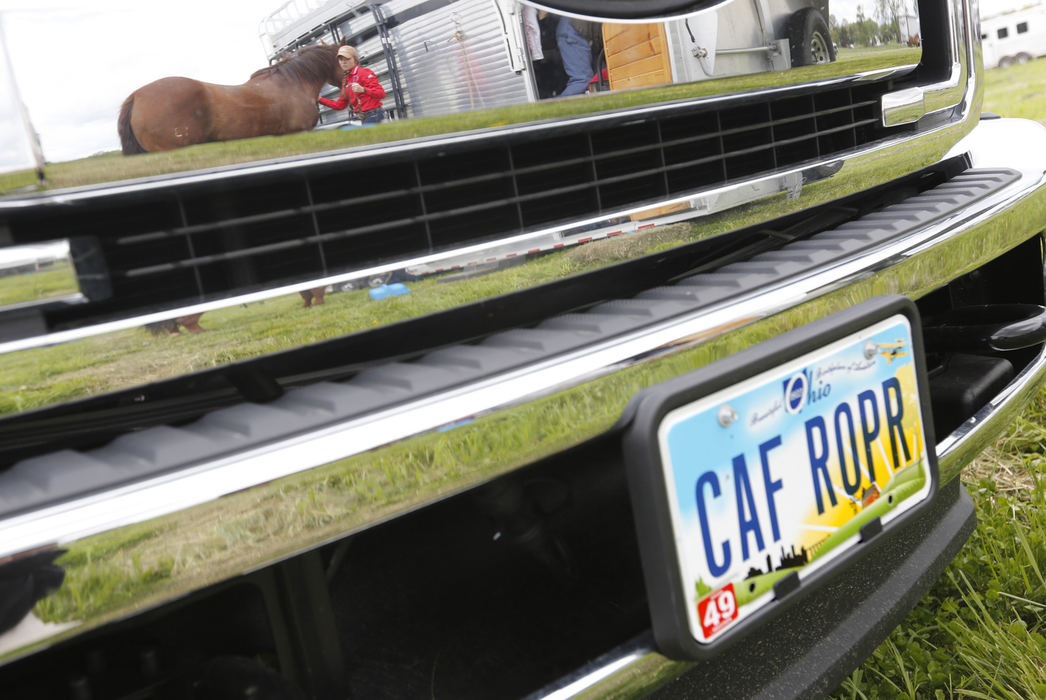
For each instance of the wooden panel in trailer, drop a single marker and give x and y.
(636, 55)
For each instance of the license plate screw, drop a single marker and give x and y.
(726, 415)
(870, 348)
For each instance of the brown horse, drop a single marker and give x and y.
(175, 112)
(312, 297)
(190, 323)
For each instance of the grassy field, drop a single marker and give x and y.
(979, 633)
(54, 281)
(131, 357)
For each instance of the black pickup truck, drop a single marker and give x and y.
(658, 391)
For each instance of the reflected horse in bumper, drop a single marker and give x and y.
(175, 112)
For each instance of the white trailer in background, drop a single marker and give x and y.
(1016, 36)
(908, 26)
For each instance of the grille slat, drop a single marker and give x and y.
(373, 209)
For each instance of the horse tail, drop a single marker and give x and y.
(123, 125)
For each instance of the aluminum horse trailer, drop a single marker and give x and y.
(437, 57)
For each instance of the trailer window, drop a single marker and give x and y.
(1022, 28)
(1003, 32)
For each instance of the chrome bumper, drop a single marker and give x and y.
(636, 667)
(205, 517)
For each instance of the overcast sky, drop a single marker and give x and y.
(75, 64)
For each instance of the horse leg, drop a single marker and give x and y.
(313, 297)
(168, 327)
(191, 322)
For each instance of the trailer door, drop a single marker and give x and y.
(636, 55)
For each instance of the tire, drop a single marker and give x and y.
(1005, 61)
(1023, 57)
(808, 38)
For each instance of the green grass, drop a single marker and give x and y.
(50, 282)
(1017, 91)
(46, 376)
(981, 631)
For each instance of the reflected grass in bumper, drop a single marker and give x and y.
(41, 377)
(40, 285)
(109, 574)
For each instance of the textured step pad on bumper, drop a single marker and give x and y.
(60, 476)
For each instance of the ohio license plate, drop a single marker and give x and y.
(776, 476)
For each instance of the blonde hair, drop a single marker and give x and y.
(349, 52)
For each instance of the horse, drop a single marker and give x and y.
(312, 297)
(170, 326)
(175, 112)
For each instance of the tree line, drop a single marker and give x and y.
(892, 22)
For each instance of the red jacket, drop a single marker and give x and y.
(365, 101)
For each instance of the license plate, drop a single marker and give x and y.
(782, 474)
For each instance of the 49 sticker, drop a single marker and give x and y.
(717, 611)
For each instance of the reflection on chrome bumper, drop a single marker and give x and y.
(169, 534)
(810, 150)
(35, 275)
(637, 667)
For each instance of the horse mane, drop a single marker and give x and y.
(306, 64)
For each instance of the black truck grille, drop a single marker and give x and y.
(193, 242)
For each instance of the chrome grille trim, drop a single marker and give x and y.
(521, 184)
(542, 239)
(439, 260)
(909, 265)
(162, 494)
(234, 484)
(421, 147)
(443, 260)
(909, 105)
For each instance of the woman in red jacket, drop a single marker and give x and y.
(359, 88)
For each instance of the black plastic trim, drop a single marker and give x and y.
(844, 625)
(808, 654)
